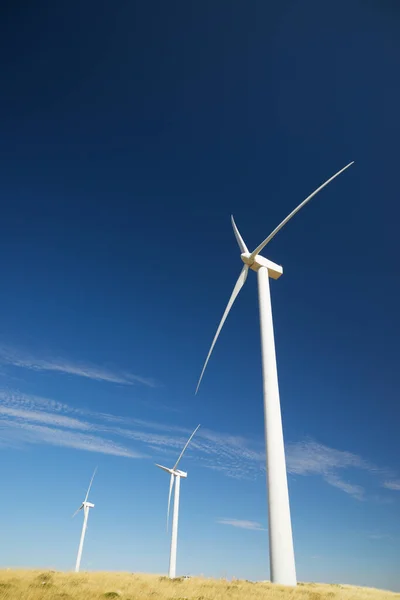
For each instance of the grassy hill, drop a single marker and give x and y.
(50, 585)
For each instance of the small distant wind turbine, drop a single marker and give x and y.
(176, 475)
(282, 563)
(86, 506)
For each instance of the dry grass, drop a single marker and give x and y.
(51, 585)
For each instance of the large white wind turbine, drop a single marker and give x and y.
(282, 562)
(176, 475)
(86, 506)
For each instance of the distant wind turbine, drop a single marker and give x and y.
(176, 475)
(282, 562)
(86, 506)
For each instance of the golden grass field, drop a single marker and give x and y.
(18, 584)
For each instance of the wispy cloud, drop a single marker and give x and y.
(39, 416)
(32, 419)
(311, 458)
(68, 367)
(54, 420)
(352, 489)
(35, 420)
(40, 434)
(252, 525)
(19, 400)
(380, 536)
(392, 485)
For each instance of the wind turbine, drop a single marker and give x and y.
(281, 552)
(176, 475)
(86, 506)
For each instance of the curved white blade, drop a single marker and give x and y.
(171, 485)
(90, 484)
(238, 286)
(275, 231)
(186, 445)
(239, 239)
(76, 512)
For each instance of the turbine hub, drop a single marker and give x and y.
(245, 256)
(274, 270)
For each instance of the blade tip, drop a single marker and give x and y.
(198, 385)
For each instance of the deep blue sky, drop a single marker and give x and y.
(130, 132)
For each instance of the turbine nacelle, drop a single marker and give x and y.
(175, 472)
(274, 270)
(83, 505)
(179, 473)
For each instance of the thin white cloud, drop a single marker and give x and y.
(311, 458)
(52, 419)
(392, 485)
(67, 367)
(20, 400)
(40, 434)
(227, 454)
(352, 489)
(155, 439)
(233, 456)
(241, 524)
(23, 420)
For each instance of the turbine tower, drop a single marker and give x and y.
(86, 506)
(281, 552)
(176, 475)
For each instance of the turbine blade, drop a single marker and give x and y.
(275, 231)
(76, 512)
(186, 445)
(238, 286)
(163, 468)
(171, 485)
(239, 239)
(90, 484)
